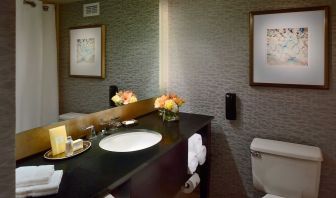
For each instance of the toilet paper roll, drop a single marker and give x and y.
(192, 183)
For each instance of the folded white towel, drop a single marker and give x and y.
(201, 156)
(192, 162)
(33, 175)
(41, 190)
(195, 143)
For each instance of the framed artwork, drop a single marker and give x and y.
(87, 51)
(289, 48)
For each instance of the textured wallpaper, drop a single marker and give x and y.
(7, 100)
(209, 52)
(132, 53)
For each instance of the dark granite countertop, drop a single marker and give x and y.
(96, 171)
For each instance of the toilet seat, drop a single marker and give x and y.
(271, 196)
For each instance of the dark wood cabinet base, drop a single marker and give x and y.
(164, 177)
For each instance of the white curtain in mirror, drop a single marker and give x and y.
(36, 66)
(50, 75)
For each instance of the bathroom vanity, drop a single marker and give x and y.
(155, 172)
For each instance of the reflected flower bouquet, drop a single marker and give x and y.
(124, 97)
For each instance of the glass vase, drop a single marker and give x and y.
(168, 116)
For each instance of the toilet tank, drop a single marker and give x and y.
(286, 169)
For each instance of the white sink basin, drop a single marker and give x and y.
(132, 140)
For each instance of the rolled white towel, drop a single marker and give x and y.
(33, 175)
(192, 162)
(41, 190)
(201, 156)
(195, 143)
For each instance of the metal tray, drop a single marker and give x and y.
(48, 155)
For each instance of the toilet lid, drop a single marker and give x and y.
(271, 196)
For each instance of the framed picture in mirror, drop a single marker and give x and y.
(87, 51)
(289, 48)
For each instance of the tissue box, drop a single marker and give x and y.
(57, 139)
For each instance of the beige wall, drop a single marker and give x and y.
(209, 49)
(7, 101)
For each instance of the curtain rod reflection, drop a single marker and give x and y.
(31, 3)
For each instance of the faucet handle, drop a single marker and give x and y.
(92, 134)
(88, 127)
(113, 123)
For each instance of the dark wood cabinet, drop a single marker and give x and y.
(164, 177)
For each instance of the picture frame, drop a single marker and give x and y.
(87, 51)
(289, 48)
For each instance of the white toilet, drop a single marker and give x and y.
(284, 169)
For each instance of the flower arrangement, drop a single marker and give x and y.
(124, 97)
(168, 106)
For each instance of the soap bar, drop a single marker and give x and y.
(77, 144)
(57, 139)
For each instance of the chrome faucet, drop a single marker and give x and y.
(114, 123)
(92, 134)
(110, 125)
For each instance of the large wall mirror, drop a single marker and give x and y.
(44, 88)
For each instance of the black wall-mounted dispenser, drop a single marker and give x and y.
(230, 104)
(112, 91)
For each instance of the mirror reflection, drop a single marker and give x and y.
(45, 53)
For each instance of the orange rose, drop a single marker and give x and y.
(160, 101)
